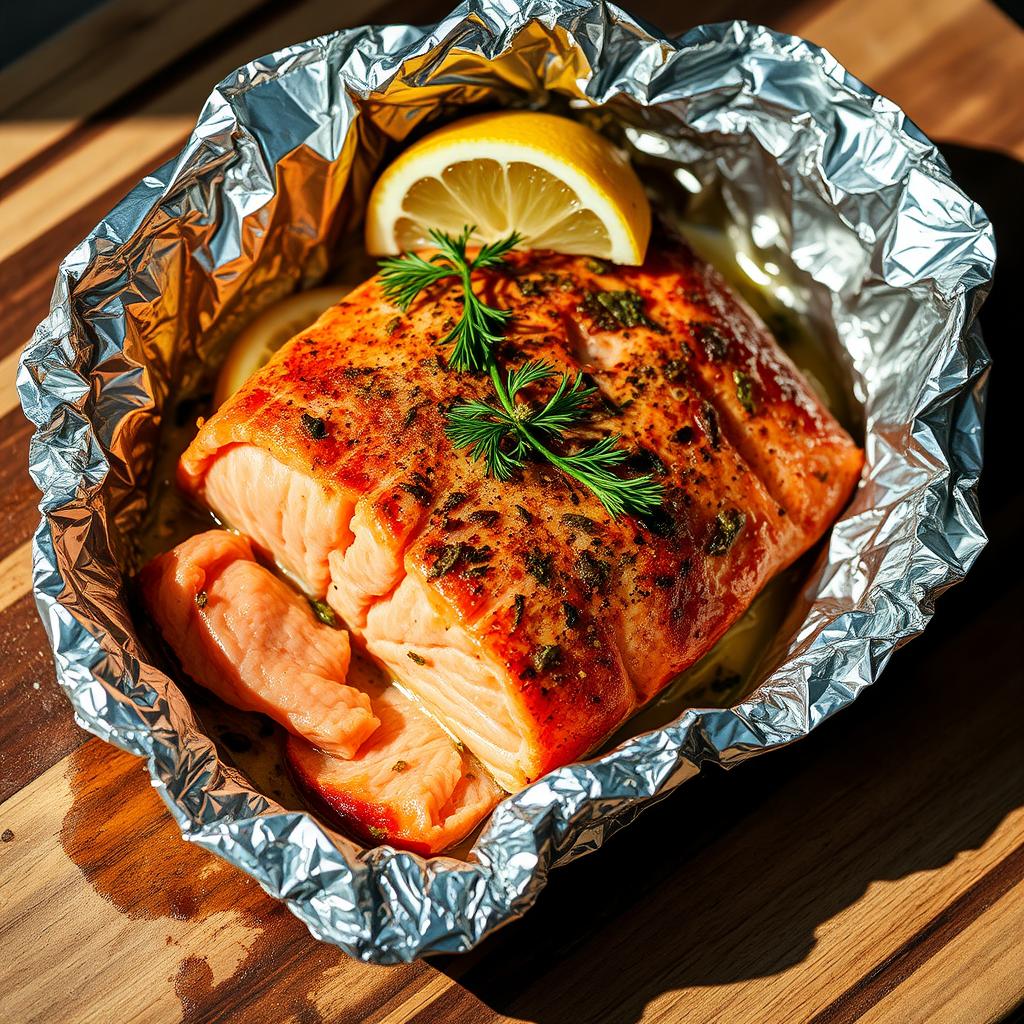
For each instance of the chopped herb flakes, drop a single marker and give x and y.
(400, 765)
(517, 611)
(450, 555)
(453, 501)
(727, 527)
(592, 571)
(584, 523)
(414, 657)
(377, 833)
(419, 488)
(526, 516)
(572, 614)
(201, 599)
(487, 516)
(314, 426)
(410, 417)
(538, 565)
(711, 426)
(392, 325)
(744, 390)
(547, 657)
(612, 311)
(596, 266)
(324, 612)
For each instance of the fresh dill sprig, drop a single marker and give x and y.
(503, 435)
(480, 325)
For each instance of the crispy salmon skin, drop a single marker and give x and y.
(524, 617)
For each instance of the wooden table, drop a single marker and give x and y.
(872, 872)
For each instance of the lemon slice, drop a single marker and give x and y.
(555, 181)
(267, 333)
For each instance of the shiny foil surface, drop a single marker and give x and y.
(831, 184)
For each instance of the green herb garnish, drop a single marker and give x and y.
(324, 612)
(727, 527)
(504, 434)
(744, 390)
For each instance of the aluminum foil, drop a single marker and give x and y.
(828, 181)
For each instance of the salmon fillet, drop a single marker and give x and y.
(409, 785)
(244, 634)
(529, 622)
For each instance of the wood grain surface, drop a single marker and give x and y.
(873, 872)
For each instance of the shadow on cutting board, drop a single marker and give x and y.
(732, 877)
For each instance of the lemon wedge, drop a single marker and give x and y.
(555, 181)
(267, 333)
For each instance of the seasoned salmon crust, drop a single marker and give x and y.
(529, 622)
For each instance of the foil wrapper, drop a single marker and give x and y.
(829, 182)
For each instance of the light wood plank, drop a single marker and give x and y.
(975, 979)
(936, 59)
(15, 575)
(46, 199)
(94, 61)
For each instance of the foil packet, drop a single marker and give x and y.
(829, 182)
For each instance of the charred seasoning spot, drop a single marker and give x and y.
(201, 599)
(684, 435)
(7, 835)
(572, 614)
(710, 417)
(486, 516)
(715, 344)
(675, 371)
(314, 426)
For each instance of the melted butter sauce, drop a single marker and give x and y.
(731, 670)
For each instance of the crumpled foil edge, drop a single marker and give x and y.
(86, 397)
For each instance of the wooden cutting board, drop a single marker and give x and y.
(872, 872)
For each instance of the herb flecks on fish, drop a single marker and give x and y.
(727, 527)
(324, 612)
(504, 434)
(314, 426)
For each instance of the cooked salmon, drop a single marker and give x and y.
(409, 784)
(250, 638)
(527, 620)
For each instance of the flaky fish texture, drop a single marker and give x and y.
(524, 617)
